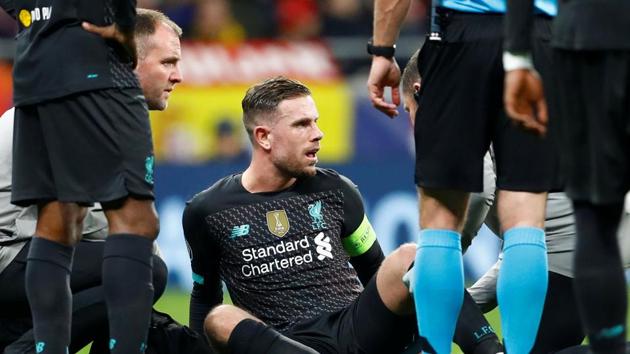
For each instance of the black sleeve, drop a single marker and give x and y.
(518, 26)
(8, 6)
(366, 263)
(207, 291)
(125, 14)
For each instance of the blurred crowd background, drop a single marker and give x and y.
(233, 21)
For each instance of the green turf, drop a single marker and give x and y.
(175, 303)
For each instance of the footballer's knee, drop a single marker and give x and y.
(389, 284)
(60, 222)
(398, 262)
(443, 209)
(521, 209)
(220, 323)
(133, 216)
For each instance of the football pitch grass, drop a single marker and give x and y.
(175, 303)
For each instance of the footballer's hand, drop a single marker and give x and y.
(384, 73)
(113, 32)
(525, 101)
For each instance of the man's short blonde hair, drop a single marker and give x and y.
(146, 24)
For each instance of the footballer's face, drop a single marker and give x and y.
(158, 69)
(294, 137)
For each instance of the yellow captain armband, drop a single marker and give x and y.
(360, 240)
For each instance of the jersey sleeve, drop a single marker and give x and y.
(358, 237)
(207, 291)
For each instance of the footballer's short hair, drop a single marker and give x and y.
(262, 100)
(410, 74)
(147, 21)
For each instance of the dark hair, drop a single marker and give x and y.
(263, 99)
(147, 21)
(410, 74)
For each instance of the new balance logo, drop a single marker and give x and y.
(324, 247)
(239, 231)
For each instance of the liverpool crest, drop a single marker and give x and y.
(315, 211)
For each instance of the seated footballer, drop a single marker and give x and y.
(282, 236)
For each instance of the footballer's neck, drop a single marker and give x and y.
(265, 177)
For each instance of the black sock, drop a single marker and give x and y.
(253, 337)
(600, 284)
(48, 289)
(89, 317)
(89, 313)
(127, 263)
(473, 333)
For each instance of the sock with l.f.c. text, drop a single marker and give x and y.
(473, 333)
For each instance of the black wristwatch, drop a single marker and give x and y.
(381, 51)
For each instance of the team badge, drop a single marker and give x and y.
(278, 222)
(148, 166)
(315, 211)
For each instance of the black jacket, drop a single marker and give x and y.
(580, 25)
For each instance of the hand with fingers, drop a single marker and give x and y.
(384, 73)
(113, 32)
(525, 101)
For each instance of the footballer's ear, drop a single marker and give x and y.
(262, 137)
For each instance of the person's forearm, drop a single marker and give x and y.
(388, 18)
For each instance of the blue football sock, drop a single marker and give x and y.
(522, 287)
(439, 286)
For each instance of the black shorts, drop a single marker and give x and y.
(593, 101)
(364, 326)
(461, 110)
(93, 146)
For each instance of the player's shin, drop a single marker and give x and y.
(600, 284)
(48, 290)
(439, 286)
(127, 281)
(522, 287)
